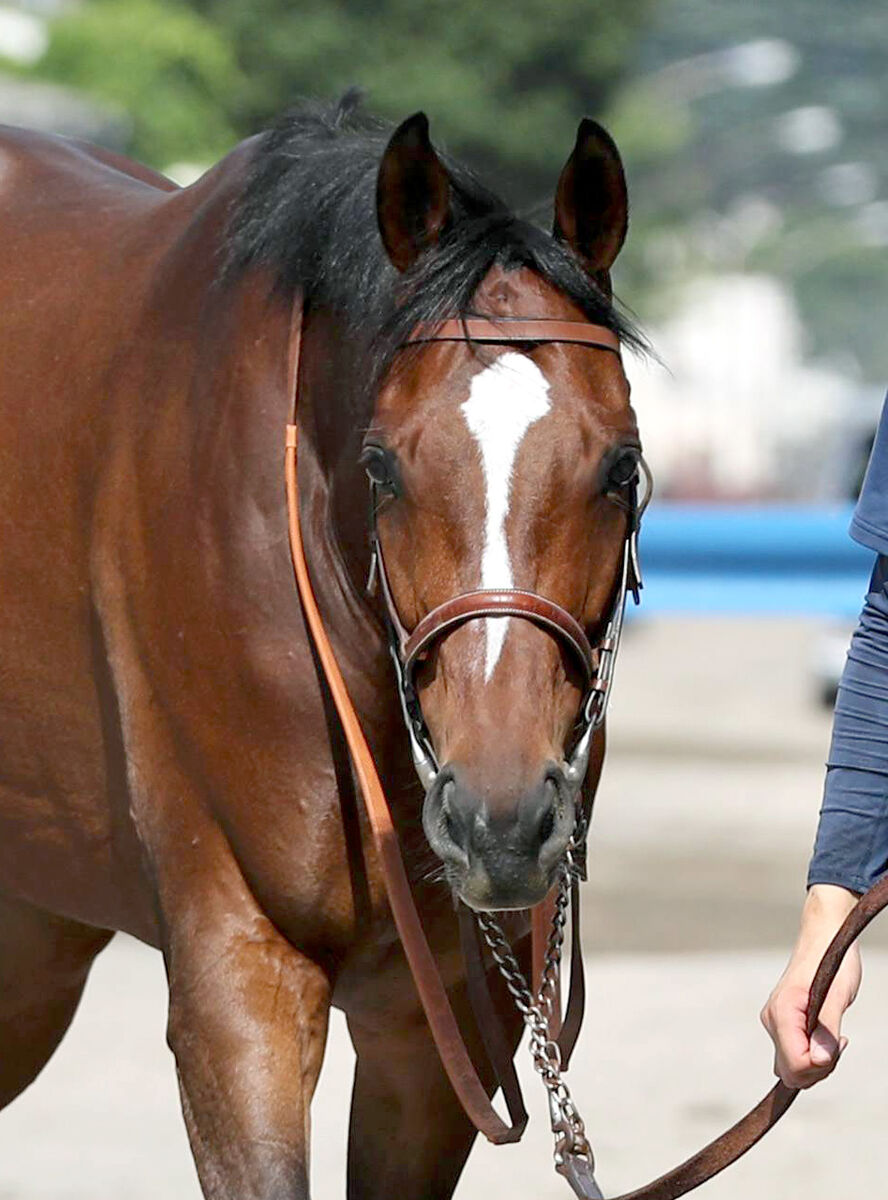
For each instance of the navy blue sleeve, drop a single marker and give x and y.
(869, 525)
(851, 848)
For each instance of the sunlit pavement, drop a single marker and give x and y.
(703, 827)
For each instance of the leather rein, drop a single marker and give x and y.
(408, 648)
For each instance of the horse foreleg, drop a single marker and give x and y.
(44, 962)
(247, 1025)
(409, 1137)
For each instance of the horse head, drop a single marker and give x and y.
(504, 467)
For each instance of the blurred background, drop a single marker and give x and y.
(754, 140)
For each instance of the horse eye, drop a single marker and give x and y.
(377, 463)
(622, 470)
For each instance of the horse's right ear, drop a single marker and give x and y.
(412, 193)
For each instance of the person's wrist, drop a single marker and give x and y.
(829, 901)
(825, 909)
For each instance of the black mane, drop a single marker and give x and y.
(308, 212)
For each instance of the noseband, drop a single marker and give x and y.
(410, 648)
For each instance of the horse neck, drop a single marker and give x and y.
(333, 510)
(332, 384)
(218, 442)
(334, 505)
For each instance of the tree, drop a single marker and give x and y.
(772, 168)
(171, 71)
(504, 86)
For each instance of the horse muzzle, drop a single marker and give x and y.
(500, 851)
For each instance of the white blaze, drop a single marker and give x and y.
(504, 401)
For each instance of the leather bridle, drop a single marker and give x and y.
(455, 1059)
(407, 649)
(410, 648)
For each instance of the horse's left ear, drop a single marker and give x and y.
(412, 193)
(591, 204)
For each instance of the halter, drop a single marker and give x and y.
(410, 648)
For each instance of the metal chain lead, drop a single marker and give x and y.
(548, 993)
(573, 1154)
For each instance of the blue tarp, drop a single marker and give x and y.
(757, 559)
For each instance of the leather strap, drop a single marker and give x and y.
(563, 1030)
(492, 602)
(518, 329)
(433, 995)
(576, 996)
(744, 1135)
(499, 1052)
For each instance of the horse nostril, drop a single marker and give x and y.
(452, 824)
(443, 821)
(547, 825)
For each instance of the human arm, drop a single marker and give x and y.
(851, 850)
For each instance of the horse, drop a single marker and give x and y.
(171, 764)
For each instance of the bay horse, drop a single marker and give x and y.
(170, 762)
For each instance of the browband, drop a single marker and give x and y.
(518, 329)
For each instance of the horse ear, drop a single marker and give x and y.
(591, 204)
(412, 193)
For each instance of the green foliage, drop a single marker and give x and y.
(727, 154)
(504, 86)
(170, 70)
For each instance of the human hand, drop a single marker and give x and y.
(801, 1061)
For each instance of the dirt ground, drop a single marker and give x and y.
(699, 844)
